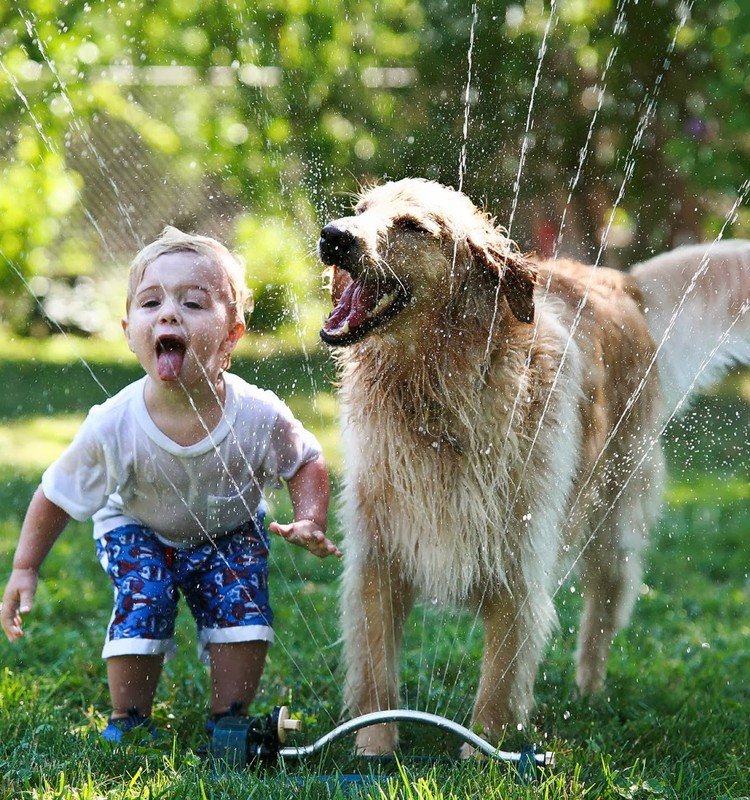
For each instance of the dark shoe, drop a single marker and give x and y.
(134, 723)
(234, 711)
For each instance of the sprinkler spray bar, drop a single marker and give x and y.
(242, 740)
(546, 759)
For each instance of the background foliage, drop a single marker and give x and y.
(623, 123)
(604, 129)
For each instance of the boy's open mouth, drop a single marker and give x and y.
(170, 353)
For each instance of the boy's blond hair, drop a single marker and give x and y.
(173, 240)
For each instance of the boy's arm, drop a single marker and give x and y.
(309, 490)
(43, 523)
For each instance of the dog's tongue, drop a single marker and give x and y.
(169, 363)
(356, 300)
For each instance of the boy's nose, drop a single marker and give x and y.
(169, 311)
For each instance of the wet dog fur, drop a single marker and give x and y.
(501, 422)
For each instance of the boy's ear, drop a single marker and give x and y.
(124, 323)
(233, 337)
(236, 332)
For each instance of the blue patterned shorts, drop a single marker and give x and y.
(224, 582)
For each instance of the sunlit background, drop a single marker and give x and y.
(604, 130)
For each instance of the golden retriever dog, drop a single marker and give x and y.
(501, 422)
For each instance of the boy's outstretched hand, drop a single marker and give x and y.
(17, 600)
(43, 523)
(306, 533)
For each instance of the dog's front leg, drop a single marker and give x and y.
(516, 628)
(375, 604)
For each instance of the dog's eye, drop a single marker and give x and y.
(410, 224)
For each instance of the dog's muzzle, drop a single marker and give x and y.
(337, 246)
(369, 299)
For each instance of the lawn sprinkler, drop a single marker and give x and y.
(240, 741)
(243, 741)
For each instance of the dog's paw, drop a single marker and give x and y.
(467, 751)
(590, 677)
(377, 740)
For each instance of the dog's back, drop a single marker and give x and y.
(696, 301)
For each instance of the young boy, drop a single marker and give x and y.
(172, 470)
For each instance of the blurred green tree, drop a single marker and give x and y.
(601, 129)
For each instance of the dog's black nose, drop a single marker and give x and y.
(335, 245)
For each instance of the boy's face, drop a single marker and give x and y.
(180, 323)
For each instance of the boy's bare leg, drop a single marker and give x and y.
(132, 683)
(236, 669)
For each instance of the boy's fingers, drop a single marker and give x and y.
(17, 601)
(333, 550)
(27, 601)
(315, 541)
(11, 620)
(277, 527)
(292, 527)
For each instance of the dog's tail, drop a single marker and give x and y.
(697, 303)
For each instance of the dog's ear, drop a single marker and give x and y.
(516, 272)
(518, 281)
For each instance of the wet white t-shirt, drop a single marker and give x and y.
(121, 469)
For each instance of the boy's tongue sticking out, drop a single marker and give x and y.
(170, 353)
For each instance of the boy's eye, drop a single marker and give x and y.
(193, 304)
(149, 303)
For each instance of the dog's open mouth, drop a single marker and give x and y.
(362, 306)
(170, 354)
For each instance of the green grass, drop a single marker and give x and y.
(672, 722)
